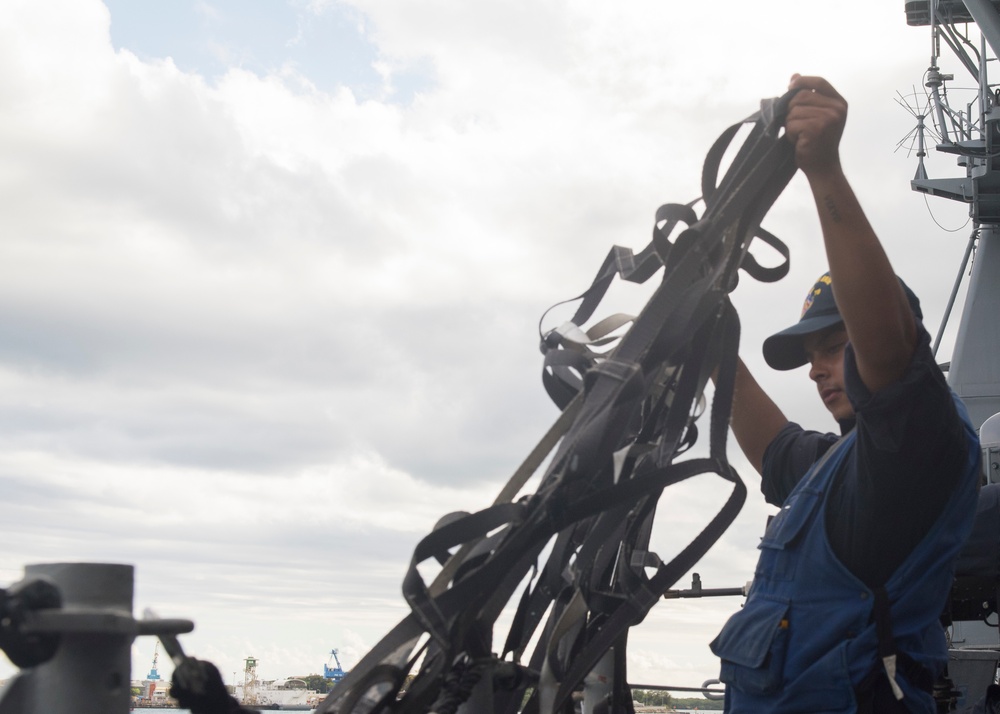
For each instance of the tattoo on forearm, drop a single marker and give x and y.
(831, 208)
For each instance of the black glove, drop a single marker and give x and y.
(198, 686)
(27, 650)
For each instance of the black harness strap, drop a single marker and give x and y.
(630, 403)
(894, 662)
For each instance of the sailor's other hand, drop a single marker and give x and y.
(197, 685)
(815, 123)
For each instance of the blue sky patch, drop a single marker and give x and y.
(329, 47)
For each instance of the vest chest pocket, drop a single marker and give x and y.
(784, 531)
(752, 646)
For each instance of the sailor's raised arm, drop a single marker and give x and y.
(756, 419)
(879, 321)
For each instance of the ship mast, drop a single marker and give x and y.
(973, 135)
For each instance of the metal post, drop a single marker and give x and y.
(91, 671)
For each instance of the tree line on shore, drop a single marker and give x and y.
(659, 698)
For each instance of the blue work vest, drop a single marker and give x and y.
(806, 637)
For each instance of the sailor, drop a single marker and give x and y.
(855, 569)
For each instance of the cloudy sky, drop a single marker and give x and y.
(271, 273)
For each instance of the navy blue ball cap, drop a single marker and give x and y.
(784, 350)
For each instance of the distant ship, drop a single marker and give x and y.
(284, 694)
(281, 694)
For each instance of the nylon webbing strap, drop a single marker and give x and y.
(571, 561)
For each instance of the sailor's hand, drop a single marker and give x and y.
(814, 124)
(197, 685)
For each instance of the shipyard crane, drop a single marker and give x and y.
(154, 675)
(337, 673)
